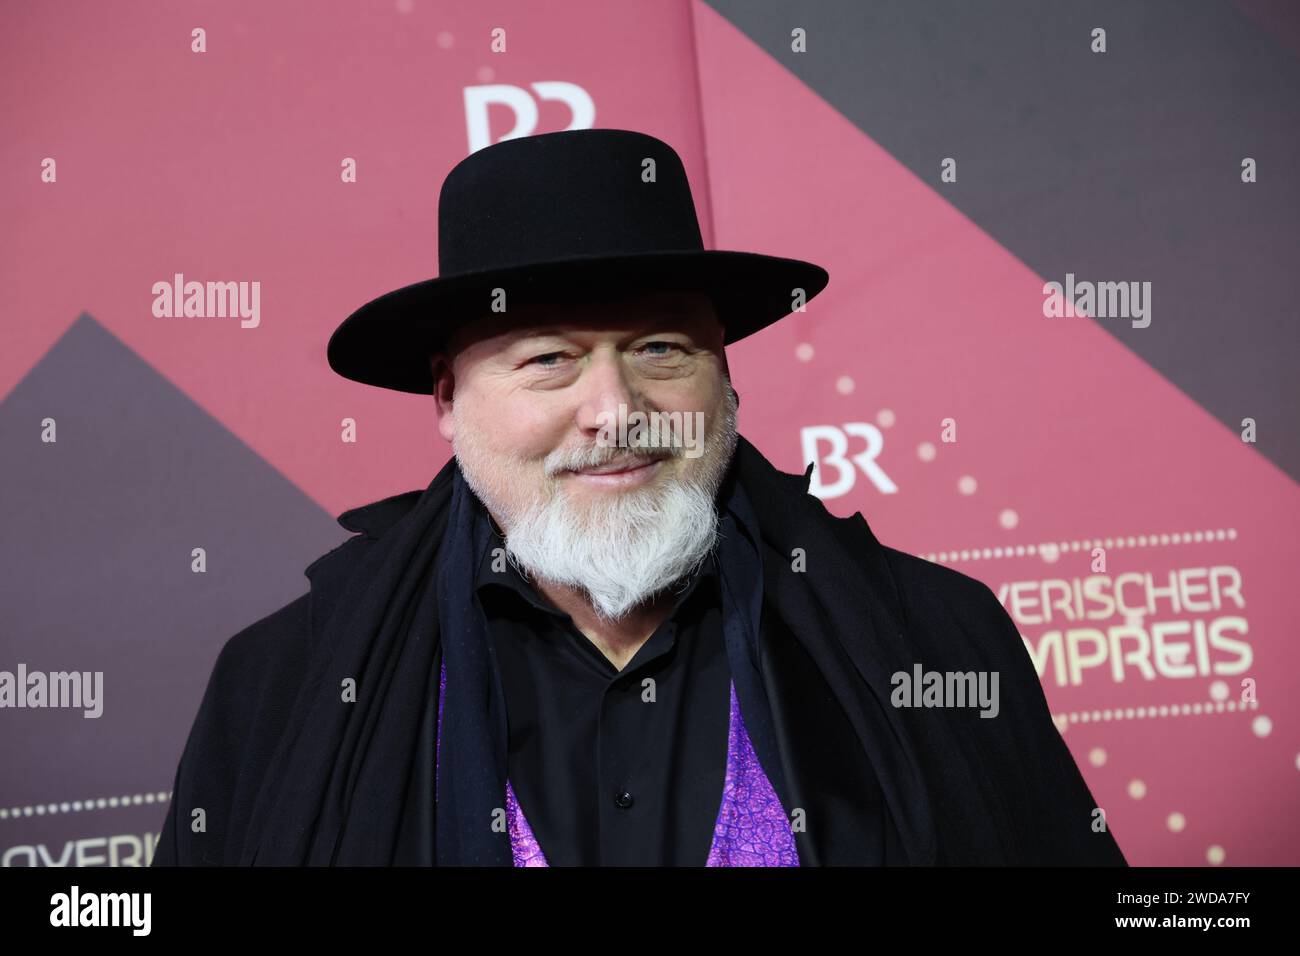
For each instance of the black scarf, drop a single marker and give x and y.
(352, 783)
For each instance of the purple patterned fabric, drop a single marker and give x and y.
(751, 830)
(527, 851)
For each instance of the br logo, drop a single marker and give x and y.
(836, 456)
(523, 104)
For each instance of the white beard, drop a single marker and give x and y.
(622, 547)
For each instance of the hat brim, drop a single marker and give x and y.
(388, 341)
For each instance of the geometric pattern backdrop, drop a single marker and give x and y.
(1098, 481)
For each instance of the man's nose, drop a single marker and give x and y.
(603, 387)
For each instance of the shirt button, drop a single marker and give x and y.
(623, 799)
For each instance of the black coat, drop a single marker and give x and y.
(276, 781)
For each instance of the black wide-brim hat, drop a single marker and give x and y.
(570, 216)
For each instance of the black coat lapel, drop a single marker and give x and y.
(829, 776)
(347, 781)
(845, 615)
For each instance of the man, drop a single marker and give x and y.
(583, 646)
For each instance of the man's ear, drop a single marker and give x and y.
(444, 387)
(726, 374)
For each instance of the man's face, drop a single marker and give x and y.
(528, 401)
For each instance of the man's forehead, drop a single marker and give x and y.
(688, 310)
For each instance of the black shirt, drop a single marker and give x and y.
(612, 768)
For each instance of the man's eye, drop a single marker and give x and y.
(540, 359)
(666, 345)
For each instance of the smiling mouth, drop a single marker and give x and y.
(617, 467)
(626, 472)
